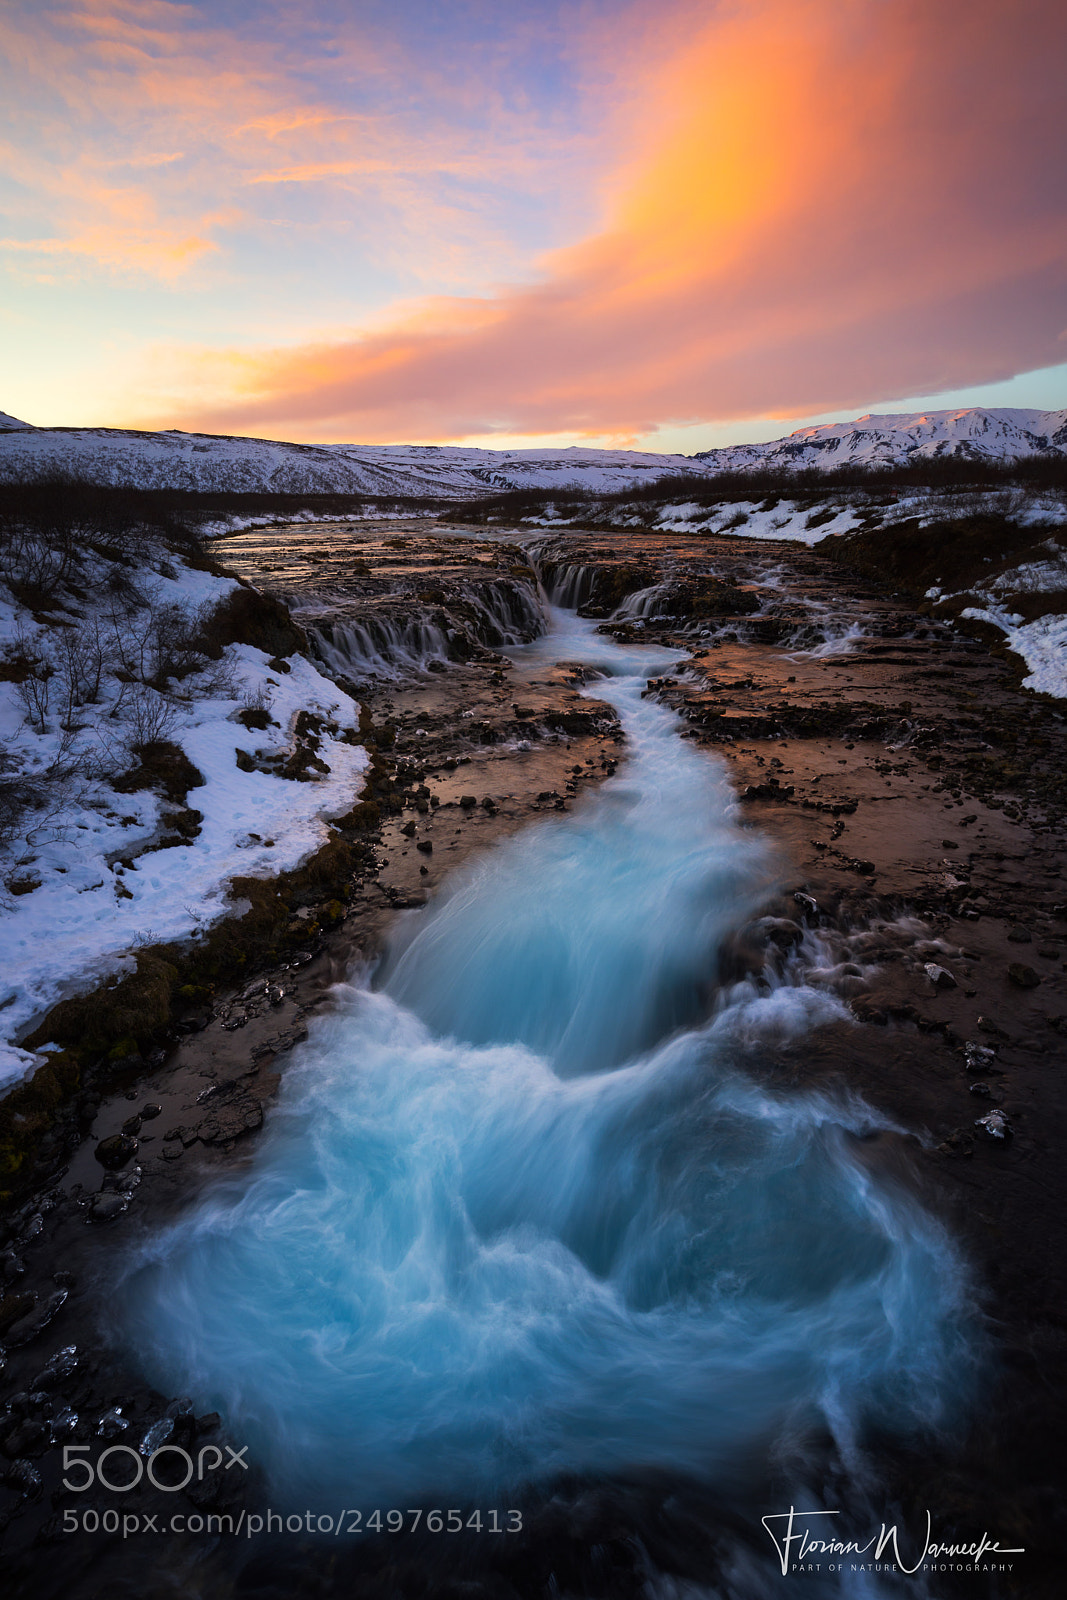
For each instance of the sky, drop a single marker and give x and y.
(667, 224)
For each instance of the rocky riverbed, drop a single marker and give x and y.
(914, 797)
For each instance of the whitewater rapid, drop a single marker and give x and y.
(520, 1211)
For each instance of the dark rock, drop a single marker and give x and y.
(158, 1434)
(23, 1477)
(1019, 935)
(468, 801)
(983, 1090)
(426, 846)
(131, 1126)
(1025, 977)
(23, 1331)
(24, 1436)
(994, 1029)
(116, 1151)
(62, 1425)
(106, 1207)
(58, 1369)
(112, 1424)
(995, 1124)
(940, 977)
(13, 1307)
(150, 1112)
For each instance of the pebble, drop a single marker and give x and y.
(1023, 976)
(940, 977)
(1019, 935)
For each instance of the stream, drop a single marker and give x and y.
(522, 1213)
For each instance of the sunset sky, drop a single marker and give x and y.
(666, 223)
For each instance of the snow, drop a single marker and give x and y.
(175, 460)
(12, 424)
(1041, 644)
(75, 928)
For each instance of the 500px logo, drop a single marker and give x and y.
(94, 1472)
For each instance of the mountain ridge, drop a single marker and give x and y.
(174, 460)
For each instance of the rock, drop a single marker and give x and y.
(275, 994)
(208, 1422)
(958, 1143)
(1025, 977)
(131, 1126)
(978, 1057)
(996, 1125)
(468, 801)
(426, 846)
(23, 1477)
(983, 1090)
(62, 1425)
(171, 1152)
(408, 830)
(987, 1025)
(809, 903)
(106, 1207)
(13, 1307)
(1019, 935)
(112, 1424)
(489, 805)
(59, 1368)
(950, 844)
(155, 1436)
(116, 1151)
(30, 1326)
(940, 977)
(150, 1112)
(12, 1266)
(24, 1436)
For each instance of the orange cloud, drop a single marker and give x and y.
(835, 200)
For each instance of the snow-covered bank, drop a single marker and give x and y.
(93, 865)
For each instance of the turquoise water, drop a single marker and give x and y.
(520, 1211)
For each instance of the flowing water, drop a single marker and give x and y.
(522, 1212)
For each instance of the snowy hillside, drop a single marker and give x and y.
(141, 770)
(213, 463)
(220, 464)
(896, 438)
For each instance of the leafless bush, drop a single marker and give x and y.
(147, 717)
(34, 684)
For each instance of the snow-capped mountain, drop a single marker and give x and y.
(894, 438)
(214, 463)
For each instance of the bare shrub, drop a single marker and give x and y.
(147, 716)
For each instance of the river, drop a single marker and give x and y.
(523, 1212)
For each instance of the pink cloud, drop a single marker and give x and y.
(829, 201)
